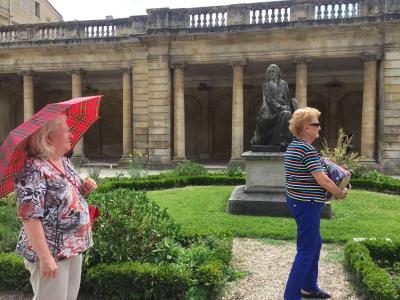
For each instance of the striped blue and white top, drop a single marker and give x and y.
(301, 159)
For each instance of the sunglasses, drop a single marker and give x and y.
(315, 124)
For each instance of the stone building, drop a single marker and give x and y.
(186, 83)
(27, 12)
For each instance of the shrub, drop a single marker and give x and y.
(137, 281)
(9, 227)
(340, 153)
(189, 168)
(129, 228)
(234, 169)
(13, 275)
(376, 281)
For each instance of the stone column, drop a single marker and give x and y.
(369, 107)
(237, 109)
(301, 79)
(179, 110)
(127, 132)
(79, 155)
(28, 94)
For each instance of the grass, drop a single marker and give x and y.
(202, 210)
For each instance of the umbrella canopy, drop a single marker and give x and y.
(81, 113)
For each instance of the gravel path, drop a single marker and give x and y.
(268, 264)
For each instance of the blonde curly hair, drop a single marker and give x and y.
(301, 117)
(38, 145)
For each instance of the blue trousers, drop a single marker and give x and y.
(304, 272)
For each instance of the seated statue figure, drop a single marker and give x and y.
(272, 126)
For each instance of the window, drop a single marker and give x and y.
(37, 9)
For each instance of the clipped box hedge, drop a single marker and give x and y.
(361, 258)
(13, 275)
(138, 280)
(135, 280)
(166, 183)
(391, 187)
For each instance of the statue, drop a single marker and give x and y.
(272, 126)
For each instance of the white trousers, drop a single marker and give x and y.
(65, 286)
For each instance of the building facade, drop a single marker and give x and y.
(187, 83)
(27, 12)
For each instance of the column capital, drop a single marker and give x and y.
(126, 70)
(26, 73)
(371, 56)
(238, 62)
(302, 59)
(178, 65)
(77, 71)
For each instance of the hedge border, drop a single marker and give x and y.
(158, 182)
(166, 183)
(375, 280)
(134, 280)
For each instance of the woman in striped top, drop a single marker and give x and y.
(306, 184)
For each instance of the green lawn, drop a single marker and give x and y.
(202, 210)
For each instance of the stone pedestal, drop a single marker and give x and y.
(264, 192)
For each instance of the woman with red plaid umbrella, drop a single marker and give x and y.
(52, 207)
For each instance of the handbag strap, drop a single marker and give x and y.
(64, 175)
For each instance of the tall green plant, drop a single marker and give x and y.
(341, 155)
(138, 165)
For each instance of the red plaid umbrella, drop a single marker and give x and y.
(80, 112)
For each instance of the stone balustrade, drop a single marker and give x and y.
(335, 9)
(202, 19)
(269, 12)
(205, 17)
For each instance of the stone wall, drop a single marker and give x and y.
(390, 118)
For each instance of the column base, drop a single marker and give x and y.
(370, 164)
(79, 160)
(125, 161)
(239, 161)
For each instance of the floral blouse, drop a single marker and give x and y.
(42, 192)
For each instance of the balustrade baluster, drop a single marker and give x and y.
(273, 16)
(264, 16)
(340, 11)
(279, 19)
(253, 17)
(346, 10)
(214, 19)
(223, 20)
(354, 10)
(327, 13)
(191, 21)
(259, 16)
(332, 12)
(318, 7)
(286, 14)
(198, 21)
